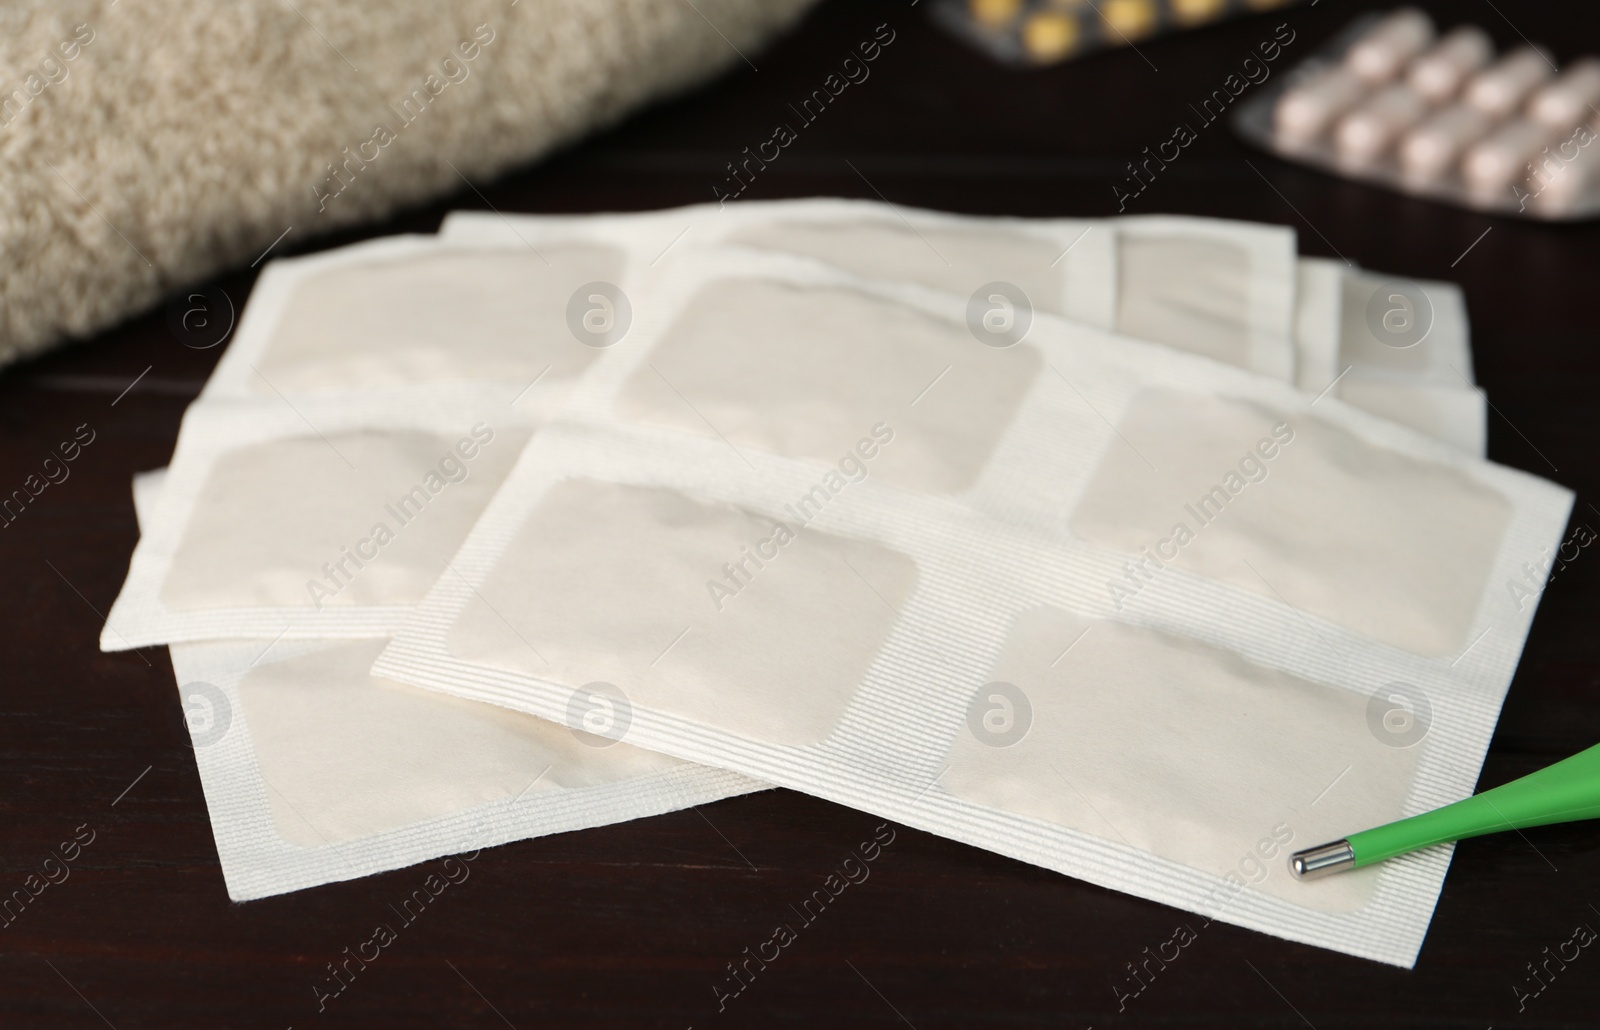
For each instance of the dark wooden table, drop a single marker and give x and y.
(632, 925)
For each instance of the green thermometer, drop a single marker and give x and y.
(1564, 792)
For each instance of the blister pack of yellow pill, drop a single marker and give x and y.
(1041, 32)
(1393, 101)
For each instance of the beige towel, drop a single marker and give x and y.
(147, 144)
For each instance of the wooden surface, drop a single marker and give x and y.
(632, 925)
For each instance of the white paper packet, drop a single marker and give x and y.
(1200, 711)
(323, 518)
(1407, 330)
(1408, 351)
(315, 771)
(419, 316)
(1422, 380)
(1210, 286)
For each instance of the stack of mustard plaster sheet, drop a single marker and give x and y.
(1138, 549)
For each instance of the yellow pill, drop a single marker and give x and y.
(1049, 37)
(994, 13)
(1129, 19)
(1191, 12)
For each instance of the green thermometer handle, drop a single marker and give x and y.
(1564, 792)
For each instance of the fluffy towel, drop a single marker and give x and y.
(146, 144)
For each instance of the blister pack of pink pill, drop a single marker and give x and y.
(1393, 101)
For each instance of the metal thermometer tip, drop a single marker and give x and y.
(1322, 860)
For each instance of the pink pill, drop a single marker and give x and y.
(1502, 87)
(1500, 160)
(1439, 73)
(1558, 188)
(1379, 55)
(1570, 99)
(1371, 129)
(1433, 147)
(1306, 109)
